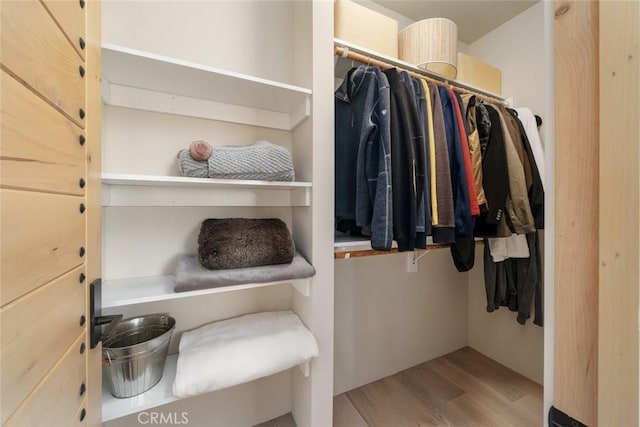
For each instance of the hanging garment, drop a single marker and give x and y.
(528, 121)
(469, 103)
(484, 127)
(419, 103)
(462, 209)
(514, 133)
(407, 167)
(431, 150)
(516, 283)
(443, 231)
(495, 173)
(466, 157)
(520, 219)
(536, 191)
(363, 156)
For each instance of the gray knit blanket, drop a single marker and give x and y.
(241, 242)
(262, 161)
(190, 275)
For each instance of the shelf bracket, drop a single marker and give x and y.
(303, 286)
(412, 260)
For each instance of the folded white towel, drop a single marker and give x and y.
(234, 351)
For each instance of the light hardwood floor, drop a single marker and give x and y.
(463, 388)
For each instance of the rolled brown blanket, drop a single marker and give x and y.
(240, 242)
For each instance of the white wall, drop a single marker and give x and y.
(517, 48)
(387, 320)
(234, 35)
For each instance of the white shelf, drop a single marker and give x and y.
(154, 190)
(139, 290)
(146, 81)
(160, 394)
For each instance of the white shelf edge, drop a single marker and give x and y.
(160, 394)
(155, 190)
(160, 288)
(202, 67)
(166, 181)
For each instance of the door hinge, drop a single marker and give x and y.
(557, 418)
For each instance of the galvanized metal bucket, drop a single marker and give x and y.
(133, 355)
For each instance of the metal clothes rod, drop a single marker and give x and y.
(345, 51)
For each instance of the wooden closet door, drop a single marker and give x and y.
(49, 211)
(597, 212)
(576, 210)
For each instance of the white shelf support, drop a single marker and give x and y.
(300, 113)
(305, 368)
(301, 197)
(163, 102)
(302, 286)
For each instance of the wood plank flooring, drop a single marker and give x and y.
(463, 388)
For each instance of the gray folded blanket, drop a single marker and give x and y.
(241, 242)
(191, 276)
(262, 161)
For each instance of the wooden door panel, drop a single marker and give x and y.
(36, 51)
(70, 16)
(57, 397)
(48, 157)
(576, 210)
(619, 340)
(42, 238)
(94, 196)
(50, 100)
(37, 330)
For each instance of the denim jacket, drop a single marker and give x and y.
(363, 154)
(462, 209)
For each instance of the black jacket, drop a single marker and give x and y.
(407, 166)
(495, 177)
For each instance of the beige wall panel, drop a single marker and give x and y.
(479, 74)
(618, 356)
(576, 210)
(36, 331)
(47, 157)
(36, 50)
(57, 397)
(70, 16)
(364, 27)
(41, 239)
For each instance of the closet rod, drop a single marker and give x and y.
(365, 57)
